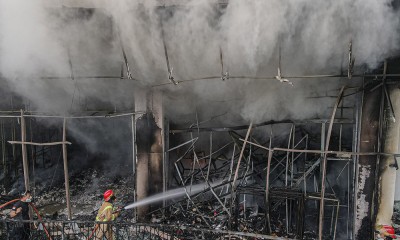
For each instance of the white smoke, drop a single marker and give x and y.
(39, 38)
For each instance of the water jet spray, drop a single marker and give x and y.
(171, 194)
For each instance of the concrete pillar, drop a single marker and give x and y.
(365, 169)
(149, 143)
(387, 171)
(142, 158)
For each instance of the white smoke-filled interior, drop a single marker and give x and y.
(39, 39)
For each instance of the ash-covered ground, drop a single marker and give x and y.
(86, 189)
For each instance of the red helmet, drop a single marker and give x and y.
(387, 230)
(108, 194)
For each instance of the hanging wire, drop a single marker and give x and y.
(224, 74)
(72, 78)
(169, 68)
(128, 69)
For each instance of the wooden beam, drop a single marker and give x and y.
(39, 144)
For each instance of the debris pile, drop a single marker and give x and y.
(86, 195)
(235, 177)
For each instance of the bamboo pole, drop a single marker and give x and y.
(25, 164)
(286, 179)
(267, 191)
(233, 188)
(40, 144)
(321, 151)
(134, 154)
(209, 160)
(336, 221)
(66, 176)
(241, 155)
(230, 170)
(328, 137)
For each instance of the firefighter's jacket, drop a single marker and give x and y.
(105, 213)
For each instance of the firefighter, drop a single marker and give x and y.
(20, 212)
(107, 213)
(385, 232)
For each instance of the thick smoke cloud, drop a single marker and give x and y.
(39, 39)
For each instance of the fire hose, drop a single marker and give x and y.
(8, 203)
(40, 219)
(36, 211)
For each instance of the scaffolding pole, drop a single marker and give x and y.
(66, 174)
(324, 162)
(24, 152)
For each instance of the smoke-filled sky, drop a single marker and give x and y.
(39, 39)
